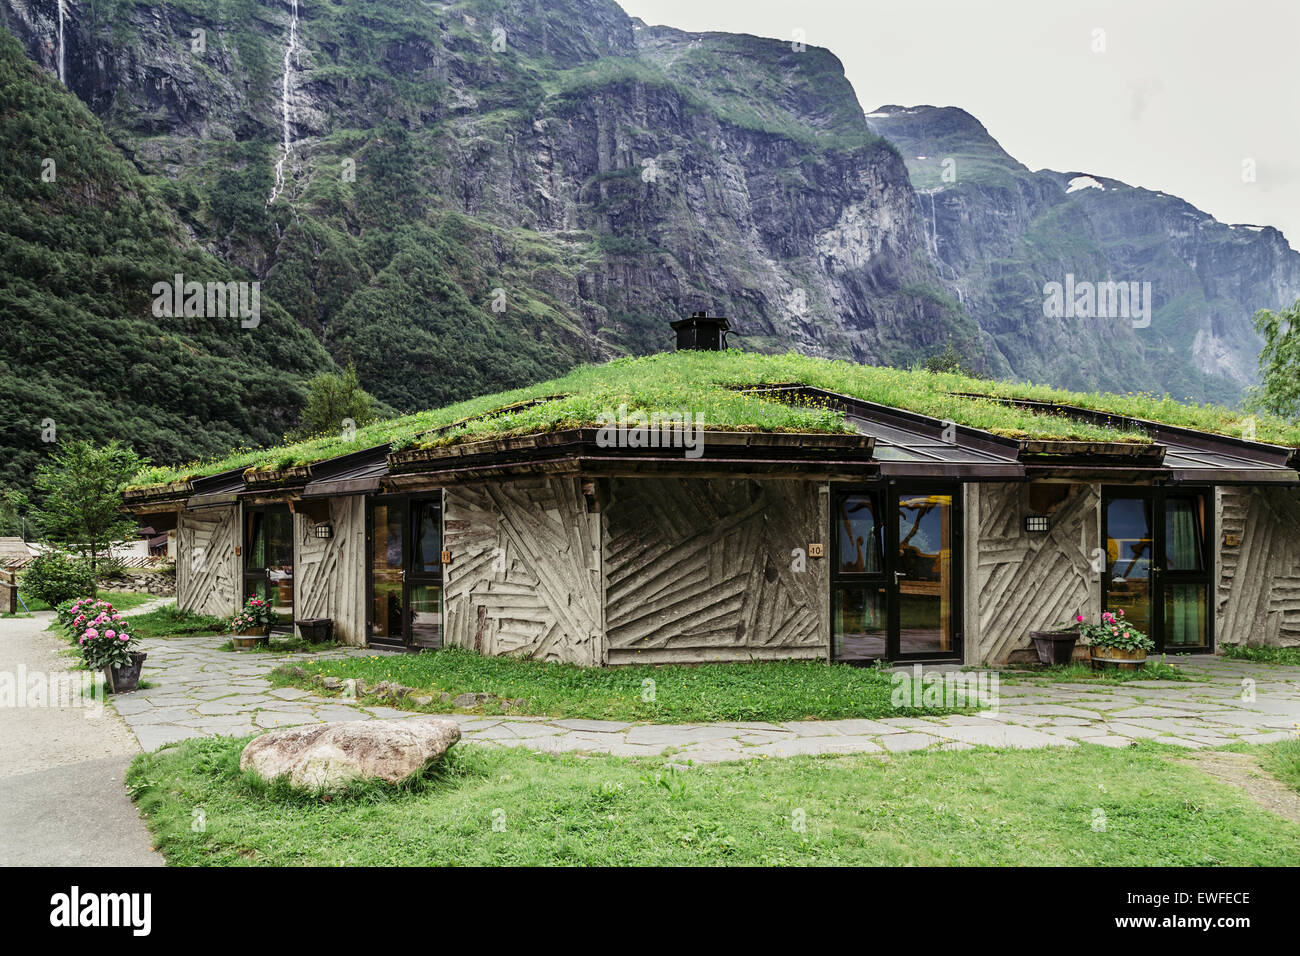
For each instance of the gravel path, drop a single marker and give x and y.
(62, 758)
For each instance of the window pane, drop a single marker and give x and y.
(859, 534)
(1183, 538)
(386, 571)
(1185, 614)
(925, 619)
(428, 536)
(1128, 559)
(426, 615)
(860, 626)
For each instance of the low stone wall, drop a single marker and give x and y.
(147, 582)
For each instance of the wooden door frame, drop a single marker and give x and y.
(1159, 495)
(407, 502)
(244, 512)
(886, 492)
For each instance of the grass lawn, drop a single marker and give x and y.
(775, 690)
(968, 808)
(170, 621)
(126, 600)
(281, 645)
(1081, 672)
(1262, 655)
(1282, 760)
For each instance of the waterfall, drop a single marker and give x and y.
(61, 73)
(286, 146)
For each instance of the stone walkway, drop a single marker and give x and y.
(201, 691)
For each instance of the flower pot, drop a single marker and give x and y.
(1054, 647)
(250, 638)
(124, 678)
(1118, 658)
(316, 630)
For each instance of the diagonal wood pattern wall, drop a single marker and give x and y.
(207, 568)
(1026, 582)
(701, 569)
(524, 576)
(330, 573)
(1259, 579)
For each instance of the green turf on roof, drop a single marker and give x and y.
(703, 383)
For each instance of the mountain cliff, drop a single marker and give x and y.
(999, 233)
(83, 239)
(466, 196)
(480, 194)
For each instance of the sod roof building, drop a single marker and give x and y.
(705, 506)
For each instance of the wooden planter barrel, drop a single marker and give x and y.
(250, 638)
(1103, 657)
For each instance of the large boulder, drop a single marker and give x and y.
(329, 756)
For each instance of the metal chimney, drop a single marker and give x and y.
(701, 332)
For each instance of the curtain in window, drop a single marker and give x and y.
(1182, 535)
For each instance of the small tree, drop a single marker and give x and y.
(333, 399)
(80, 495)
(13, 505)
(1279, 362)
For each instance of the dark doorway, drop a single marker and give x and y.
(895, 591)
(404, 557)
(1159, 564)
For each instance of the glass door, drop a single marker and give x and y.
(268, 559)
(1157, 564)
(860, 597)
(405, 562)
(923, 574)
(424, 581)
(387, 571)
(894, 583)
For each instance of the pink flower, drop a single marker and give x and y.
(110, 634)
(92, 633)
(1079, 618)
(124, 637)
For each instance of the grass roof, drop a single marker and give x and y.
(704, 383)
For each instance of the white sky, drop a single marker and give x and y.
(1184, 92)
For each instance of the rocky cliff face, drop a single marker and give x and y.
(480, 193)
(475, 194)
(1000, 233)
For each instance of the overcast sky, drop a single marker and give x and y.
(1184, 92)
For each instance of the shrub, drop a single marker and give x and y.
(56, 578)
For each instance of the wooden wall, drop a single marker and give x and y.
(524, 576)
(330, 573)
(1259, 578)
(1019, 582)
(207, 568)
(701, 570)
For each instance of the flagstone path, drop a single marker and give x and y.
(201, 691)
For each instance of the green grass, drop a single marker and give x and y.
(677, 381)
(126, 600)
(170, 621)
(774, 690)
(1081, 672)
(699, 382)
(280, 645)
(1282, 760)
(969, 808)
(1262, 655)
(33, 604)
